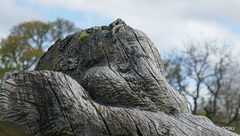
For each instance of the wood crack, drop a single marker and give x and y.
(58, 101)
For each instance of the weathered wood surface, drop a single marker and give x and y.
(51, 103)
(117, 87)
(117, 66)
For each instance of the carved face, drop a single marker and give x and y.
(120, 66)
(132, 75)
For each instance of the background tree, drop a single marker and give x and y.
(34, 33)
(215, 81)
(17, 55)
(228, 102)
(175, 74)
(204, 73)
(61, 28)
(27, 41)
(201, 64)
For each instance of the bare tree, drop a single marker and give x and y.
(197, 69)
(174, 73)
(196, 64)
(229, 96)
(207, 75)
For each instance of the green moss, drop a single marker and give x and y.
(202, 113)
(66, 53)
(12, 129)
(83, 36)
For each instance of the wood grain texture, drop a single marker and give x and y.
(109, 83)
(43, 103)
(117, 66)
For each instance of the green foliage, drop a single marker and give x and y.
(66, 53)
(17, 55)
(60, 28)
(40, 34)
(12, 48)
(83, 36)
(22, 49)
(203, 113)
(31, 53)
(34, 33)
(10, 129)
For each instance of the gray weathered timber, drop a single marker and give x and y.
(117, 66)
(109, 82)
(44, 103)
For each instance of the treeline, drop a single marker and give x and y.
(208, 76)
(22, 49)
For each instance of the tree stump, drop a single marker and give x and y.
(100, 81)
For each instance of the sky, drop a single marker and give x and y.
(168, 23)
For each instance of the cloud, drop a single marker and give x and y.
(11, 14)
(225, 11)
(168, 23)
(218, 10)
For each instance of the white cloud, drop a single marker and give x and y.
(12, 14)
(219, 10)
(168, 23)
(225, 11)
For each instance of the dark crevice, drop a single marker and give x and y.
(110, 82)
(54, 79)
(188, 125)
(118, 74)
(158, 61)
(150, 131)
(6, 81)
(73, 92)
(71, 89)
(4, 94)
(177, 99)
(139, 132)
(143, 49)
(172, 95)
(84, 93)
(197, 124)
(173, 123)
(139, 42)
(100, 114)
(119, 121)
(133, 61)
(130, 59)
(106, 56)
(153, 124)
(98, 111)
(28, 102)
(34, 133)
(58, 101)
